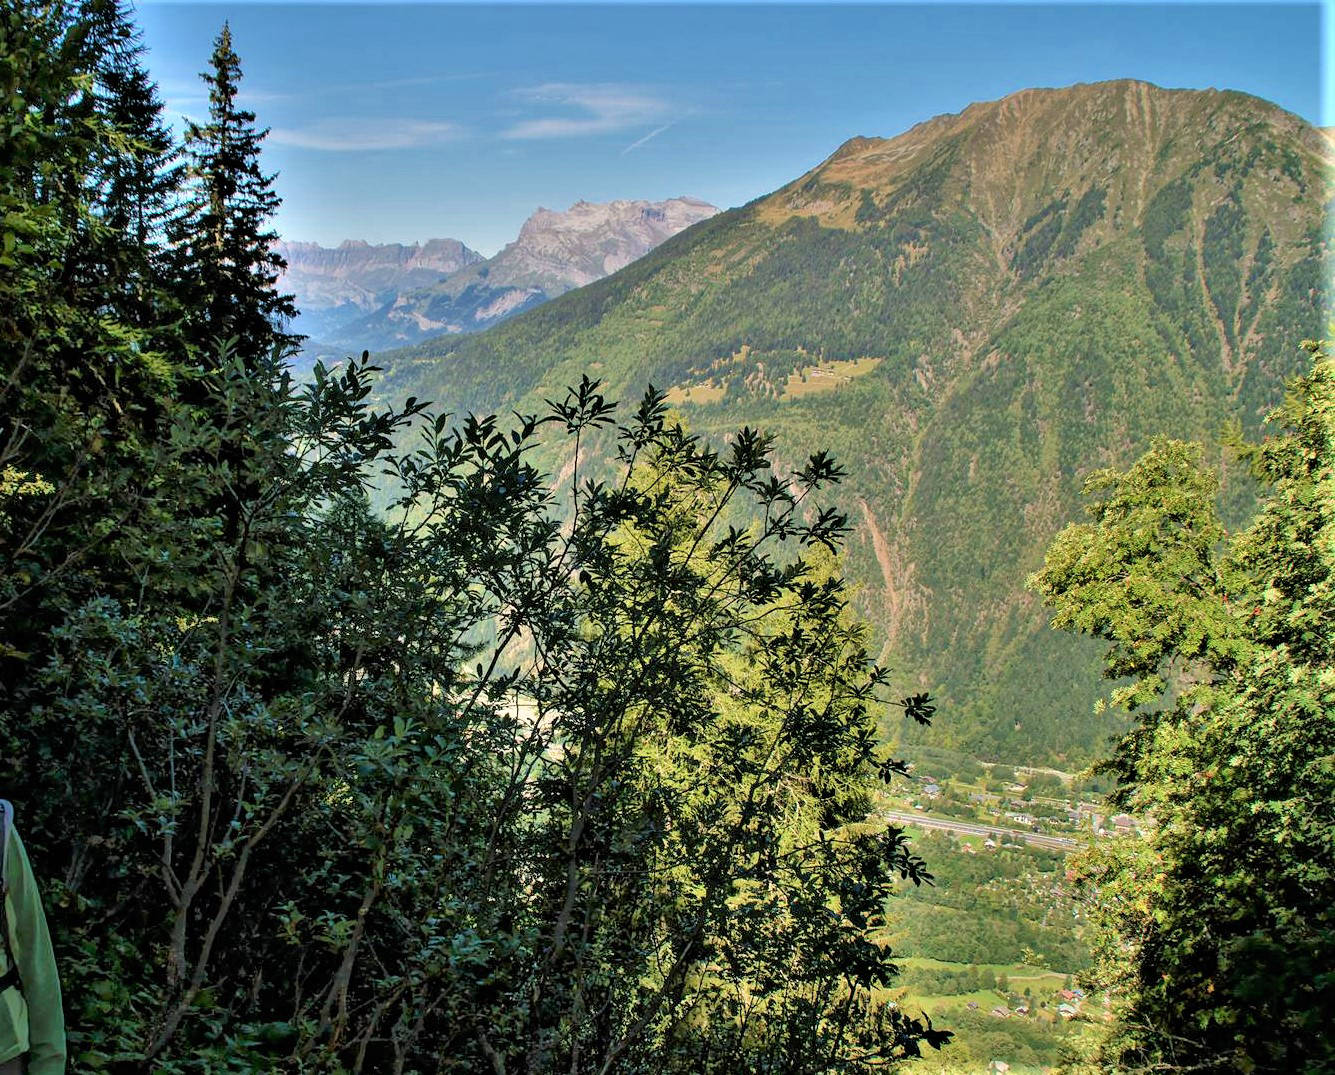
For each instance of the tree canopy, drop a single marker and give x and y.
(1218, 928)
(521, 773)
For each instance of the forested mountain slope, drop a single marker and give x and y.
(972, 316)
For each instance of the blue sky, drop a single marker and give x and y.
(406, 122)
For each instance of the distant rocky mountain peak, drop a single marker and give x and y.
(336, 284)
(446, 288)
(560, 250)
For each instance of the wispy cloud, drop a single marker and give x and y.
(349, 134)
(188, 99)
(185, 106)
(417, 80)
(647, 138)
(585, 109)
(180, 87)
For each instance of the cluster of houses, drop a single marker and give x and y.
(1082, 814)
(1101, 823)
(1069, 1001)
(1079, 816)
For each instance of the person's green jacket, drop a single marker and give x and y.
(31, 1021)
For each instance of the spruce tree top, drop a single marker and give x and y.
(227, 241)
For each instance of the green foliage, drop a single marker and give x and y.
(1041, 234)
(1222, 252)
(1029, 1045)
(518, 775)
(1218, 926)
(1088, 210)
(141, 172)
(1166, 214)
(641, 838)
(1045, 783)
(990, 908)
(81, 435)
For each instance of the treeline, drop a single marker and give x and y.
(934, 981)
(502, 779)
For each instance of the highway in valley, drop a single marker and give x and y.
(973, 828)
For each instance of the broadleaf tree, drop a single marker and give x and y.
(1218, 928)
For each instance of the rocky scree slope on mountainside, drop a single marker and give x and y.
(972, 315)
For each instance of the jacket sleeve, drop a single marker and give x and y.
(37, 965)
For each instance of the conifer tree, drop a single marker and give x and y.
(225, 243)
(78, 399)
(141, 181)
(137, 185)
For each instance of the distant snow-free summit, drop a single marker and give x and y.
(336, 285)
(357, 295)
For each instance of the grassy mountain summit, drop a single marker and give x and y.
(972, 315)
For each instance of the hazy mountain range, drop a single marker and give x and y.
(973, 316)
(336, 285)
(358, 295)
